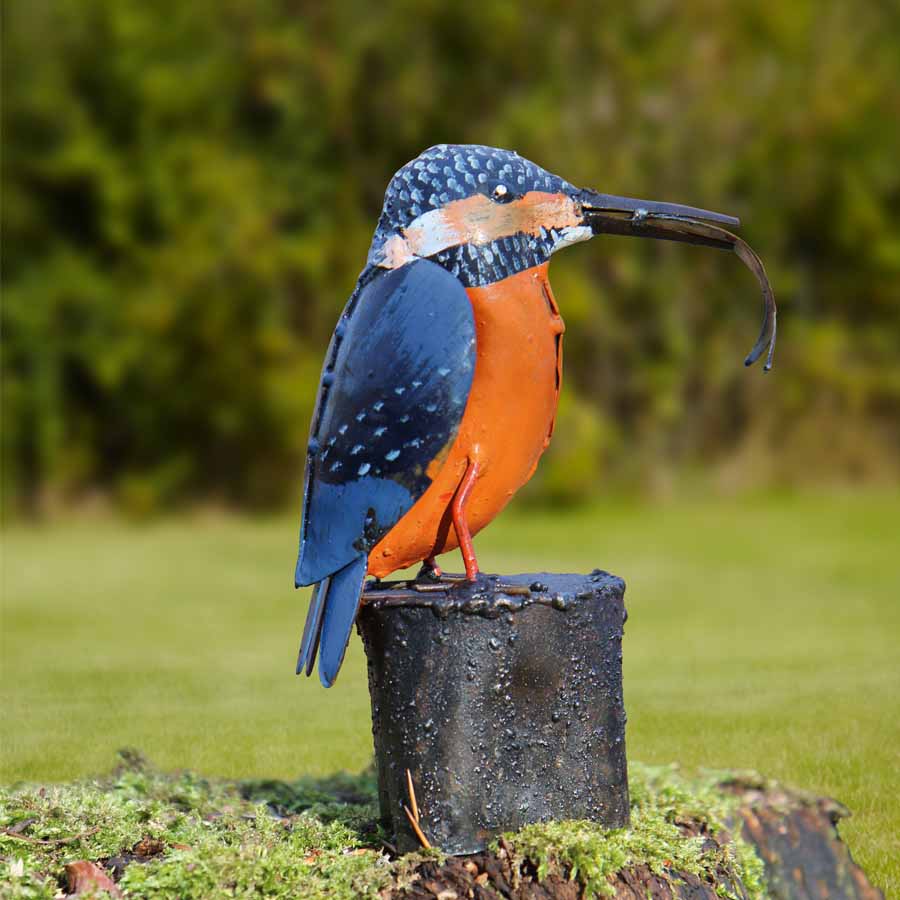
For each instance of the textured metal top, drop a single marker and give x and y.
(493, 595)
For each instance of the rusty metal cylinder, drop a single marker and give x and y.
(502, 698)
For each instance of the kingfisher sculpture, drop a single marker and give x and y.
(440, 385)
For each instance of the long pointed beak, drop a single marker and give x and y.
(608, 214)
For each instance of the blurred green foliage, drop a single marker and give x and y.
(190, 189)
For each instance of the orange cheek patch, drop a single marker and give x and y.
(479, 220)
(540, 210)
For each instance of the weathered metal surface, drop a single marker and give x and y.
(502, 698)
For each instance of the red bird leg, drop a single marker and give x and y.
(458, 511)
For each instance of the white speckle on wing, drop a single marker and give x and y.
(378, 406)
(342, 429)
(443, 371)
(358, 448)
(392, 454)
(380, 431)
(399, 390)
(363, 469)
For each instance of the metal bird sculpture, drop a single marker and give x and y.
(440, 385)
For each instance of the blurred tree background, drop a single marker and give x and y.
(189, 190)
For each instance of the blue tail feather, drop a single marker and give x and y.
(313, 627)
(342, 602)
(332, 612)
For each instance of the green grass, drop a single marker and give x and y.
(763, 633)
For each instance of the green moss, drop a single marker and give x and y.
(266, 857)
(270, 839)
(320, 838)
(671, 819)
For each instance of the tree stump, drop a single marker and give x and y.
(794, 834)
(496, 704)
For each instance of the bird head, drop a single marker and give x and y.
(485, 214)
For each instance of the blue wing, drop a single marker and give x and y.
(392, 396)
(393, 392)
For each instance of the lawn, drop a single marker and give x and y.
(763, 633)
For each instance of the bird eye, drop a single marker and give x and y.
(501, 194)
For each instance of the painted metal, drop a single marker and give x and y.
(391, 400)
(507, 423)
(447, 360)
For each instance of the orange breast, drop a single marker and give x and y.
(506, 425)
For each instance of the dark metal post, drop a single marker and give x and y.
(503, 699)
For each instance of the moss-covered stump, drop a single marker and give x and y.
(140, 833)
(737, 836)
(796, 837)
(793, 835)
